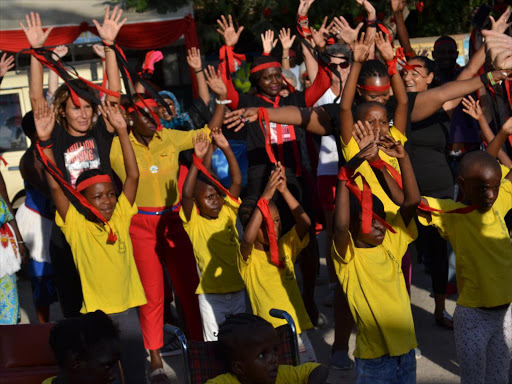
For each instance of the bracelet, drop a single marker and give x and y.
(302, 18)
(370, 21)
(20, 242)
(286, 57)
(201, 70)
(491, 79)
(45, 143)
(222, 102)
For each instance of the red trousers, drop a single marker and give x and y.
(162, 236)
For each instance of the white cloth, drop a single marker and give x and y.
(10, 260)
(36, 231)
(328, 156)
(296, 72)
(215, 307)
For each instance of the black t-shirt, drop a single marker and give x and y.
(259, 164)
(74, 155)
(427, 144)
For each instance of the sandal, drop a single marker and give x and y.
(446, 321)
(158, 376)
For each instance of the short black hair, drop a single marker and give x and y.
(363, 107)
(202, 178)
(372, 68)
(247, 208)
(82, 336)
(446, 39)
(88, 174)
(235, 333)
(477, 161)
(28, 125)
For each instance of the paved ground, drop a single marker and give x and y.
(436, 366)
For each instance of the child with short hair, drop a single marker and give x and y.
(250, 346)
(209, 218)
(87, 349)
(101, 245)
(481, 241)
(268, 271)
(367, 254)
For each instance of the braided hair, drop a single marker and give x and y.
(238, 331)
(372, 68)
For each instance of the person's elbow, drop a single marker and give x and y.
(411, 202)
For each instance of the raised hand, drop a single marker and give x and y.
(111, 25)
(398, 5)
(364, 134)
(286, 38)
(344, 31)
(362, 47)
(472, 108)
(391, 147)
(320, 36)
(507, 127)
(34, 31)
(282, 185)
(214, 81)
(369, 8)
(219, 139)
(194, 59)
(501, 25)
(237, 119)
(384, 46)
(201, 144)
(273, 181)
(499, 49)
(99, 50)
(501, 75)
(44, 120)
(6, 64)
(113, 114)
(267, 39)
(227, 30)
(60, 52)
(304, 7)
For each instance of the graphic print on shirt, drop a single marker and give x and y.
(273, 133)
(80, 157)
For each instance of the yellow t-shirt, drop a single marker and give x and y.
(109, 276)
(158, 165)
(351, 149)
(482, 246)
(286, 374)
(216, 245)
(374, 286)
(269, 286)
(49, 380)
(504, 171)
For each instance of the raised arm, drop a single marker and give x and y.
(44, 120)
(6, 64)
(429, 101)
(201, 146)
(499, 49)
(108, 32)
(344, 32)
(361, 51)
(302, 220)
(113, 114)
(397, 84)
(411, 191)
(403, 35)
(36, 38)
(268, 42)
(252, 228)
(194, 62)
(234, 169)
(53, 78)
(286, 42)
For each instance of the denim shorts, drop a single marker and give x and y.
(387, 370)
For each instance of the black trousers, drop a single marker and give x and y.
(430, 242)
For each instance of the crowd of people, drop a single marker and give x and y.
(381, 147)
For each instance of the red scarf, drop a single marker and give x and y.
(271, 232)
(200, 166)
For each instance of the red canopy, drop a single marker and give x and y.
(144, 35)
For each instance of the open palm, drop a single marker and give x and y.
(111, 25)
(34, 31)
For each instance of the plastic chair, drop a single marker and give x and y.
(204, 361)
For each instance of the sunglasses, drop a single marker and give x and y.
(342, 65)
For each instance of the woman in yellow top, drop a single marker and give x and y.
(156, 230)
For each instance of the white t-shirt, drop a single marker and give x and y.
(328, 157)
(296, 71)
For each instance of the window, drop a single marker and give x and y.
(12, 137)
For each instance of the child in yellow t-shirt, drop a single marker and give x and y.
(269, 285)
(481, 242)
(368, 266)
(250, 344)
(102, 249)
(209, 218)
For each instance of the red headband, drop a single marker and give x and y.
(261, 67)
(143, 104)
(93, 180)
(375, 88)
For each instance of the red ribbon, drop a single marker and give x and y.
(93, 180)
(57, 174)
(261, 67)
(379, 164)
(271, 232)
(3, 161)
(198, 162)
(144, 104)
(399, 59)
(226, 54)
(264, 118)
(365, 199)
